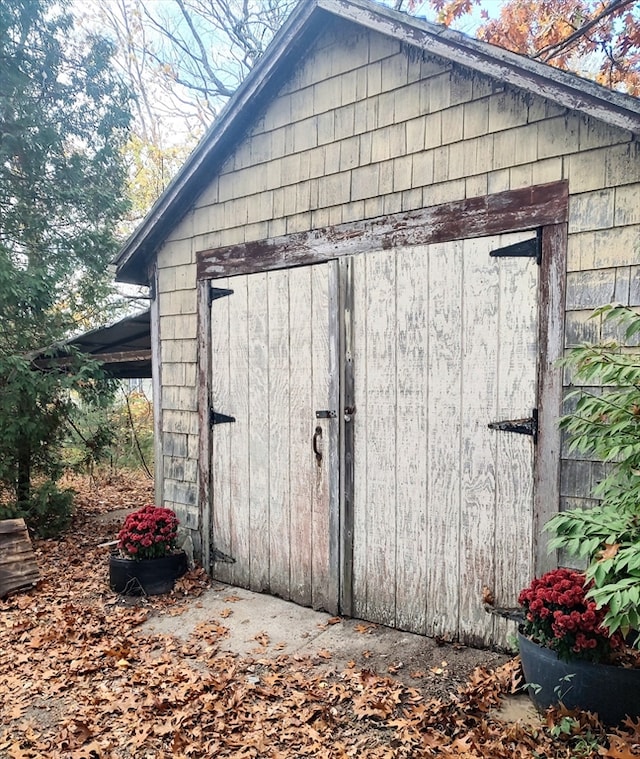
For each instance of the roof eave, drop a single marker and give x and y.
(566, 88)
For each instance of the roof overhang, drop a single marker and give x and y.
(290, 44)
(123, 349)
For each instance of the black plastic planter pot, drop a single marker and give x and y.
(612, 692)
(146, 577)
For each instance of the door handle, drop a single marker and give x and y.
(317, 436)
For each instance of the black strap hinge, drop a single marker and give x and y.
(527, 426)
(216, 418)
(218, 292)
(531, 248)
(217, 555)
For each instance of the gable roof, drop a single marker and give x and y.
(290, 44)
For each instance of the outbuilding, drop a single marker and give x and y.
(362, 279)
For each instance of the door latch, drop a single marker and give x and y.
(326, 414)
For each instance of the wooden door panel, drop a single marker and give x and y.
(324, 591)
(444, 425)
(479, 390)
(270, 498)
(277, 461)
(239, 477)
(445, 342)
(300, 322)
(514, 559)
(259, 432)
(222, 517)
(412, 340)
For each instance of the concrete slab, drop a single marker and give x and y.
(248, 617)
(261, 626)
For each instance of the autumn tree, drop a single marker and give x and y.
(183, 59)
(167, 122)
(63, 120)
(596, 39)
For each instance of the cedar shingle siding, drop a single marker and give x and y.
(365, 128)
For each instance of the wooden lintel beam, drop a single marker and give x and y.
(513, 210)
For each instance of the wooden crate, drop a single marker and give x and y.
(18, 567)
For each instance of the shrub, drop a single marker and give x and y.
(47, 511)
(606, 425)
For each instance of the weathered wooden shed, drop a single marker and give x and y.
(361, 277)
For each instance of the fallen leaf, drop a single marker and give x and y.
(487, 596)
(98, 685)
(609, 552)
(262, 638)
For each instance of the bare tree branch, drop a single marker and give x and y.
(551, 51)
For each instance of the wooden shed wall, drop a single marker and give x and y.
(365, 127)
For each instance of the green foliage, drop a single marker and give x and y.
(606, 421)
(47, 511)
(581, 740)
(63, 119)
(117, 433)
(606, 424)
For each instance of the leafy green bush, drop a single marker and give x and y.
(47, 512)
(606, 425)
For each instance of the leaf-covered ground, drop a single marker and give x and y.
(78, 678)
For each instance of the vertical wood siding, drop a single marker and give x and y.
(271, 499)
(445, 342)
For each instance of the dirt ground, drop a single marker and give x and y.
(211, 670)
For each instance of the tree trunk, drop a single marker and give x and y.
(23, 454)
(23, 486)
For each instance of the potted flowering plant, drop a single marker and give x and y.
(568, 654)
(148, 533)
(558, 615)
(147, 562)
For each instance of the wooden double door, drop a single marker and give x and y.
(360, 473)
